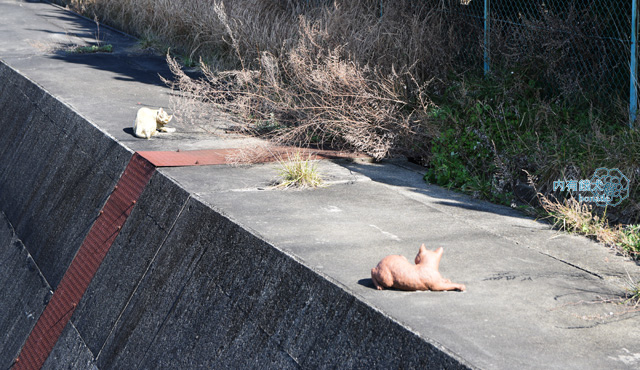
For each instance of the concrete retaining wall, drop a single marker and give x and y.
(23, 290)
(182, 286)
(56, 172)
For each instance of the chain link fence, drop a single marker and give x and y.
(572, 48)
(576, 48)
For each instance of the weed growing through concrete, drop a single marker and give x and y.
(95, 48)
(92, 49)
(574, 217)
(630, 238)
(634, 295)
(298, 172)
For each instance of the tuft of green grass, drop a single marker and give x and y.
(570, 215)
(633, 291)
(575, 217)
(630, 239)
(92, 49)
(298, 172)
(633, 295)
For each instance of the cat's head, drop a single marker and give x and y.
(162, 118)
(429, 257)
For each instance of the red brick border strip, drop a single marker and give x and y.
(224, 156)
(187, 157)
(85, 264)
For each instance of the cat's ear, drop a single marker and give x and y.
(439, 252)
(160, 111)
(422, 255)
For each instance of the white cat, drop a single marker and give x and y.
(150, 121)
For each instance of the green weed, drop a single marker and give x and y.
(495, 130)
(461, 160)
(630, 239)
(633, 295)
(295, 171)
(92, 49)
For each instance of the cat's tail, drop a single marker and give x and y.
(374, 272)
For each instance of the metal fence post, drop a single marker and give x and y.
(633, 76)
(487, 38)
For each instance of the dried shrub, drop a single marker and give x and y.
(315, 95)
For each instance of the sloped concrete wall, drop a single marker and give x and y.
(24, 293)
(183, 286)
(56, 172)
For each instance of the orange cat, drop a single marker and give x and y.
(397, 272)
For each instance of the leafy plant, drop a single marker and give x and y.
(522, 129)
(459, 159)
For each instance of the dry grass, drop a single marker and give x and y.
(296, 171)
(311, 98)
(409, 34)
(314, 94)
(580, 218)
(576, 217)
(340, 73)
